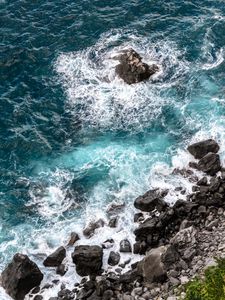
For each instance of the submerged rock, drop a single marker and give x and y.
(131, 68)
(151, 200)
(88, 259)
(200, 149)
(56, 258)
(20, 276)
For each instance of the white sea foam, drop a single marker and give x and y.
(103, 101)
(100, 99)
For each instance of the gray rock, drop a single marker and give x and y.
(151, 268)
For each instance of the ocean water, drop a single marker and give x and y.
(74, 138)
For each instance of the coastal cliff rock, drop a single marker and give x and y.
(20, 276)
(131, 68)
(151, 200)
(151, 268)
(200, 149)
(88, 259)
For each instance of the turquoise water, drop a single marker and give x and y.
(74, 137)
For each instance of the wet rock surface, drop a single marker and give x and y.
(200, 149)
(132, 69)
(56, 258)
(20, 276)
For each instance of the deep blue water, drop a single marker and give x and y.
(73, 137)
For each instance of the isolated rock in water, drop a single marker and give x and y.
(114, 258)
(131, 68)
(151, 200)
(88, 259)
(200, 149)
(92, 226)
(210, 164)
(20, 276)
(56, 258)
(151, 268)
(125, 246)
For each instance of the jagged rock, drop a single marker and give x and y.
(74, 237)
(92, 226)
(151, 200)
(200, 149)
(210, 164)
(170, 257)
(151, 268)
(88, 259)
(20, 276)
(56, 258)
(125, 246)
(131, 68)
(114, 258)
(184, 238)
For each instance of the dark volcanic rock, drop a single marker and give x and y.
(61, 270)
(210, 164)
(200, 149)
(56, 258)
(92, 226)
(88, 259)
(125, 246)
(114, 258)
(151, 200)
(131, 68)
(20, 276)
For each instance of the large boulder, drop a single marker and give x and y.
(151, 200)
(200, 149)
(114, 258)
(20, 276)
(55, 259)
(151, 268)
(131, 68)
(210, 164)
(88, 259)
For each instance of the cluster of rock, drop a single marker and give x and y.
(132, 69)
(176, 242)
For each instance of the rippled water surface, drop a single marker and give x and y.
(73, 136)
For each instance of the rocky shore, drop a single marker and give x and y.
(175, 243)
